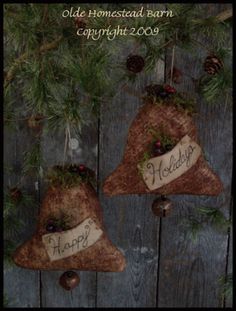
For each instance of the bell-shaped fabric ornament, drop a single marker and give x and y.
(70, 234)
(162, 154)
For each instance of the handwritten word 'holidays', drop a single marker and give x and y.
(122, 13)
(174, 164)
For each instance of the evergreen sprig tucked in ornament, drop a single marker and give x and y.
(161, 143)
(167, 94)
(70, 175)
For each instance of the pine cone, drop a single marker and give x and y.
(135, 63)
(15, 194)
(80, 23)
(35, 121)
(212, 64)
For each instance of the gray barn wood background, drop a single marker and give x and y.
(164, 267)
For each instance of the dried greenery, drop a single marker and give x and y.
(180, 100)
(69, 175)
(161, 135)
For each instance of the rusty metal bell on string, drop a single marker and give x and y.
(162, 206)
(69, 280)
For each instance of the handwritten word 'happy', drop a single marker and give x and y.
(64, 244)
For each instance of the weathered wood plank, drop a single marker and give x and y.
(53, 148)
(190, 272)
(17, 281)
(228, 299)
(129, 220)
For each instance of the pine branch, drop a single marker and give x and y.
(44, 48)
(46, 78)
(50, 45)
(209, 215)
(13, 223)
(224, 15)
(214, 87)
(215, 217)
(192, 228)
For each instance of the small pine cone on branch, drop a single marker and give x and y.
(135, 63)
(35, 122)
(15, 194)
(80, 23)
(212, 64)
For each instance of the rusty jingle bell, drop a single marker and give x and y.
(162, 207)
(69, 280)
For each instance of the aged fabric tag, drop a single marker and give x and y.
(67, 243)
(161, 170)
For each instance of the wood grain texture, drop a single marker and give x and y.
(53, 148)
(229, 270)
(190, 272)
(17, 281)
(129, 220)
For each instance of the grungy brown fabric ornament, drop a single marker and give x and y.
(162, 154)
(70, 234)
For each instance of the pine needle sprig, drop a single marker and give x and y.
(192, 228)
(9, 248)
(205, 216)
(211, 29)
(13, 223)
(226, 285)
(214, 87)
(12, 227)
(215, 217)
